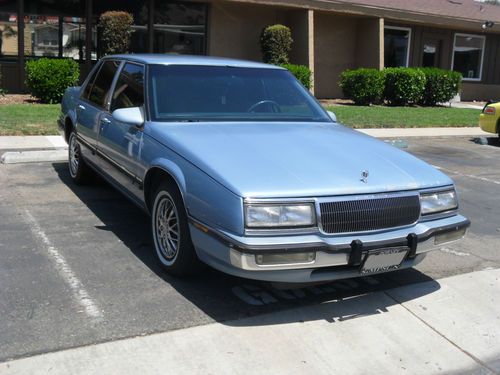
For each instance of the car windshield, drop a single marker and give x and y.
(224, 93)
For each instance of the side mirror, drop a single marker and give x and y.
(132, 116)
(332, 116)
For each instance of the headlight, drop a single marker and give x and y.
(279, 215)
(432, 203)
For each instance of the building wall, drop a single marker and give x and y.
(234, 29)
(488, 87)
(334, 51)
(370, 43)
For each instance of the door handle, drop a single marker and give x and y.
(106, 120)
(81, 106)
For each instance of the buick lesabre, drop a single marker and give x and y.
(241, 168)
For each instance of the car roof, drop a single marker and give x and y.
(173, 59)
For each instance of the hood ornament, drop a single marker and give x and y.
(364, 176)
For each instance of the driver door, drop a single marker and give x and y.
(119, 142)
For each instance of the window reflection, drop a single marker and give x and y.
(8, 34)
(396, 46)
(468, 55)
(179, 28)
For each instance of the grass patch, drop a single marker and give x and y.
(41, 119)
(404, 117)
(29, 119)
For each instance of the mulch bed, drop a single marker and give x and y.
(18, 99)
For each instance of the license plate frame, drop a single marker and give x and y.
(383, 260)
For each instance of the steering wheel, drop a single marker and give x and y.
(273, 104)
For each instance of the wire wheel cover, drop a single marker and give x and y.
(74, 155)
(167, 228)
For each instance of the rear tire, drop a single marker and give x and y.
(80, 172)
(172, 239)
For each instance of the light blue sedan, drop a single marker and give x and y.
(240, 168)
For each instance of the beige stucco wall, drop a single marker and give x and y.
(478, 91)
(235, 29)
(370, 43)
(334, 51)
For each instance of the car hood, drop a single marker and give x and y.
(295, 159)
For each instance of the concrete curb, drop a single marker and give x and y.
(15, 157)
(425, 132)
(445, 326)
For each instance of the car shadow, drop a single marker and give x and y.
(487, 141)
(229, 299)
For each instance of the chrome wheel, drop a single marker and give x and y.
(166, 228)
(74, 155)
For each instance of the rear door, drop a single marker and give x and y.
(93, 101)
(119, 143)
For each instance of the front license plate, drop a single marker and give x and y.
(384, 260)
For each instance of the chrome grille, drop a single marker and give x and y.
(362, 215)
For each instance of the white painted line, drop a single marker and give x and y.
(15, 157)
(474, 177)
(79, 293)
(454, 252)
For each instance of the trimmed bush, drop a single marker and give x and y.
(116, 31)
(440, 85)
(404, 86)
(47, 79)
(276, 43)
(363, 86)
(302, 73)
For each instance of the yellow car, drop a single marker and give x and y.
(489, 120)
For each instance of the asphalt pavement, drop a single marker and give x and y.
(77, 268)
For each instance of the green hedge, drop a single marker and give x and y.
(276, 43)
(363, 86)
(440, 85)
(302, 73)
(47, 79)
(404, 86)
(400, 86)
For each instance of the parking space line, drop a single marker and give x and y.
(79, 293)
(485, 179)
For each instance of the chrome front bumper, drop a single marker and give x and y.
(341, 255)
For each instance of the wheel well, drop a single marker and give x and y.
(154, 176)
(498, 126)
(68, 127)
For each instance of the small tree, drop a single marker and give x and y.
(276, 43)
(116, 30)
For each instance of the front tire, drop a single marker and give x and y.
(78, 169)
(170, 229)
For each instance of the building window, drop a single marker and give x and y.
(179, 28)
(468, 54)
(8, 35)
(140, 14)
(396, 46)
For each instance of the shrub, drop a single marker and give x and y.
(47, 79)
(363, 86)
(302, 73)
(404, 86)
(276, 43)
(440, 85)
(116, 31)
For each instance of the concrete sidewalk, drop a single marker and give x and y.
(446, 326)
(26, 149)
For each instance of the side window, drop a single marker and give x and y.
(129, 91)
(86, 90)
(102, 84)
